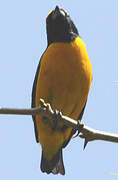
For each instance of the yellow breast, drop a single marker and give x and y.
(65, 76)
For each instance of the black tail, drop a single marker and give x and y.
(54, 166)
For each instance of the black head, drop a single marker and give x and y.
(60, 27)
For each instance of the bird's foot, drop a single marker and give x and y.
(57, 116)
(79, 128)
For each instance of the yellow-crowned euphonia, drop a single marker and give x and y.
(63, 79)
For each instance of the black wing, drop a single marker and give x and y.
(34, 94)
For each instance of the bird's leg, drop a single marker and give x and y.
(57, 116)
(47, 107)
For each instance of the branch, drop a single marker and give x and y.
(89, 134)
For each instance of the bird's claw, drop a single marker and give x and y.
(57, 116)
(80, 126)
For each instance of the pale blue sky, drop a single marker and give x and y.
(22, 41)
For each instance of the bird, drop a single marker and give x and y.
(63, 79)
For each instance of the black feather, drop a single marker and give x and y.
(55, 165)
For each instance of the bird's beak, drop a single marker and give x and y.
(57, 12)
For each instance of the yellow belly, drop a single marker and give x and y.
(64, 81)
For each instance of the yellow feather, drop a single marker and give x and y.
(64, 81)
